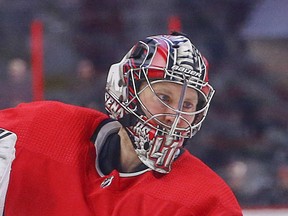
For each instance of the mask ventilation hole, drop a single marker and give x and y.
(146, 146)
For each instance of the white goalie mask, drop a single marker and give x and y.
(172, 63)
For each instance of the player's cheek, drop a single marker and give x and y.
(188, 119)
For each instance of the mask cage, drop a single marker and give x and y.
(161, 127)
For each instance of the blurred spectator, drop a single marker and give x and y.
(250, 180)
(88, 89)
(16, 88)
(280, 192)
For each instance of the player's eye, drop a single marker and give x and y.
(165, 98)
(187, 105)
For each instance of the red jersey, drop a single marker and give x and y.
(55, 171)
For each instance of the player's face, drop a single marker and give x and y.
(169, 94)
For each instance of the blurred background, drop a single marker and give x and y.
(245, 136)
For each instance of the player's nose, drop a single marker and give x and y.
(169, 119)
(170, 115)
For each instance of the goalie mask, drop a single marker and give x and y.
(160, 93)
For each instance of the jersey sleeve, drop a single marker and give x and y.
(44, 129)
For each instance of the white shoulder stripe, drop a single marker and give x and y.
(7, 155)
